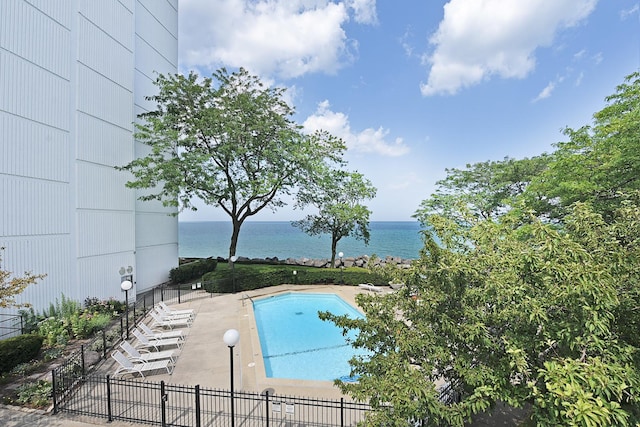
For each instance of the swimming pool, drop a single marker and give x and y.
(296, 344)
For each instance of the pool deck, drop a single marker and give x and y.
(204, 358)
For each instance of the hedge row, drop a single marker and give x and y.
(17, 350)
(192, 270)
(255, 278)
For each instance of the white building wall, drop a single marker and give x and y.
(71, 82)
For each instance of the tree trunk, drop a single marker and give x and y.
(234, 237)
(334, 245)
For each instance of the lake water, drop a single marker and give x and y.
(262, 239)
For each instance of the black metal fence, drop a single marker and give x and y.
(11, 325)
(159, 403)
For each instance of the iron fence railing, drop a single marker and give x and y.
(162, 404)
(11, 325)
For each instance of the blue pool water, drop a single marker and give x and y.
(296, 344)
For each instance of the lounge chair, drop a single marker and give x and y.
(146, 355)
(370, 287)
(145, 342)
(169, 323)
(155, 335)
(127, 366)
(174, 311)
(396, 286)
(168, 316)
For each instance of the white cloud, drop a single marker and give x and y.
(283, 38)
(369, 140)
(365, 11)
(546, 92)
(478, 39)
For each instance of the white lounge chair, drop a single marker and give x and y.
(146, 355)
(174, 311)
(157, 335)
(145, 342)
(370, 287)
(127, 366)
(168, 316)
(169, 323)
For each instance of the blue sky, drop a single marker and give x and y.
(414, 87)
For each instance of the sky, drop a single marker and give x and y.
(418, 86)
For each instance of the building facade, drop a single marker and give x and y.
(73, 78)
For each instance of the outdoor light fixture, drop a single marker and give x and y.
(340, 254)
(231, 338)
(126, 285)
(295, 277)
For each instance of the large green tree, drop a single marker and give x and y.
(512, 310)
(486, 189)
(338, 196)
(599, 162)
(505, 305)
(227, 140)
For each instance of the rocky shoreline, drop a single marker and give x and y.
(363, 261)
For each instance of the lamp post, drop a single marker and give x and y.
(125, 285)
(340, 254)
(231, 338)
(233, 260)
(295, 277)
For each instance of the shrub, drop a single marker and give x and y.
(17, 350)
(54, 331)
(192, 270)
(37, 394)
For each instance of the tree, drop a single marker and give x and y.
(12, 286)
(338, 196)
(228, 141)
(487, 189)
(599, 163)
(513, 310)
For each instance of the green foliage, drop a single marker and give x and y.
(11, 286)
(599, 163)
(111, 306)
(54, 331)
(256, 276)
(17, 350)
(192, 270)
(35, 394)
(226, 140)
(338, 196)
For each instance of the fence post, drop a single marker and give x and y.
(121, 328)
(179, 288)
(163, 404)
(162, 293)
(53, 391)
(104, 344)
(266, 404)
(198, 422)
(342, 412)
(82, 359)
(21, 324)
(109, 413)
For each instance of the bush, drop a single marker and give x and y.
(37, 394)
(17, 350)
(192, 270)
(255, 276)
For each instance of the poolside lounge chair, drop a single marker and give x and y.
(174, 311)
(127, 366)
(166, 315)
(146, 355)
(156, 335)
(169, 323)
(145, 342)
(396, 286)
(370, 287)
